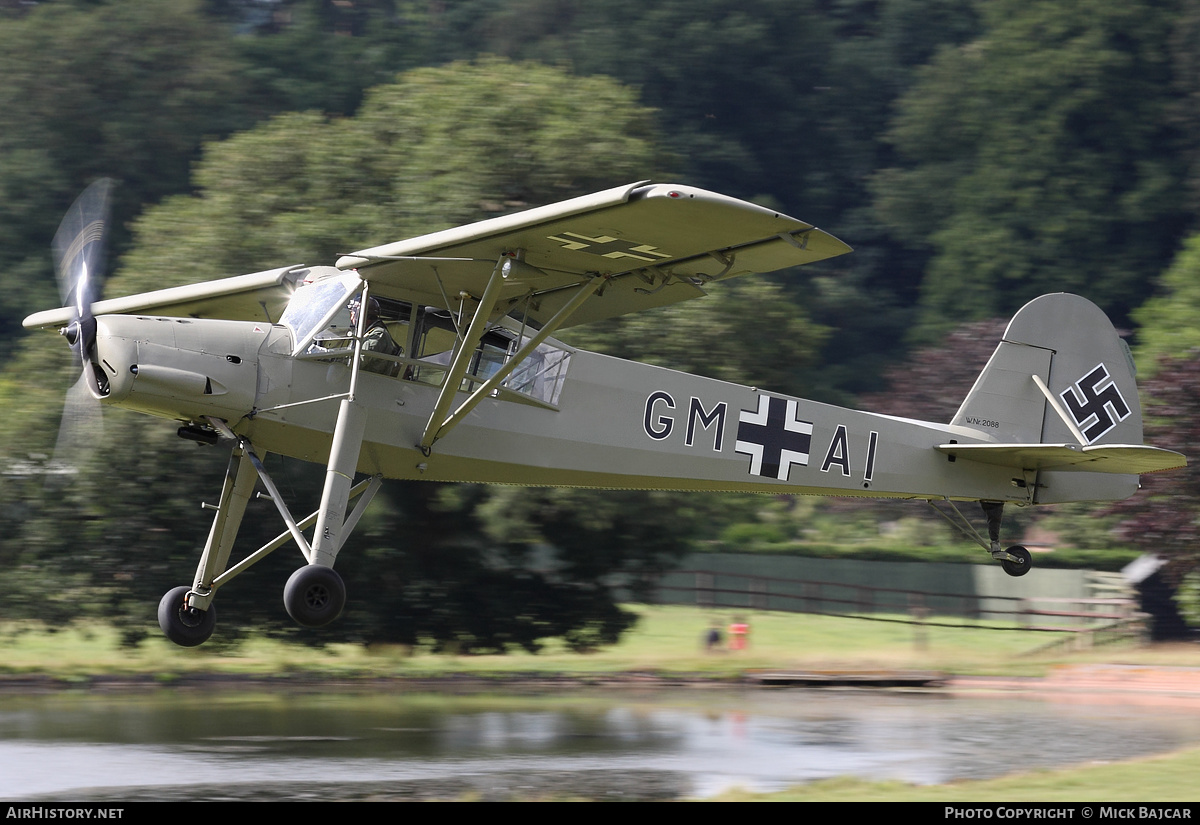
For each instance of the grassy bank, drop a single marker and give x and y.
(1157, 779)
(667, 640)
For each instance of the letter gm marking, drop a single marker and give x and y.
(658, 425)
(658, 421)
(714, 418)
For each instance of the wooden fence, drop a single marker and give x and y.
(1089, 620)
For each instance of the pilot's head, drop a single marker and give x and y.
(372, 312)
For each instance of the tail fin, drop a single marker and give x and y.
(1058, 399)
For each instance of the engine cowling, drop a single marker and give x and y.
(180, 368)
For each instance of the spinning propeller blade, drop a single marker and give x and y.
(79, 247)
(79, 250)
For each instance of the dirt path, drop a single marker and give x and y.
(1121, 684)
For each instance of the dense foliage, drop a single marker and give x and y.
(975, 154)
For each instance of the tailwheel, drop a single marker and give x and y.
(314, 595)
(183, 625)
(1019, 561)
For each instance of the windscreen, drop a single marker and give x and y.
(313, 307)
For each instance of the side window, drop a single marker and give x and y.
(436, 340)
(540, 375)
(385, 342)
(434, 345)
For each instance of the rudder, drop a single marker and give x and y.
(1087, 394)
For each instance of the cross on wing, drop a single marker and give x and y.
(654, 245)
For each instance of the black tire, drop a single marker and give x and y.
(183, 625)
(1017, 568)
(314, 596)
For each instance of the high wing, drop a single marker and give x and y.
(259, 296)
(653, 244)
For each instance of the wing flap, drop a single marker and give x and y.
(1100, 458)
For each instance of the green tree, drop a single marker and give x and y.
(775, 101)
(1040, 157)
(322, 55)
(1169, 323)
(123, 89)
(441, 146)
(748, 330)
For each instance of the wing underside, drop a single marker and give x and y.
(259, 296)
(653, 244)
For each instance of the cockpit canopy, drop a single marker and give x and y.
(319, 319)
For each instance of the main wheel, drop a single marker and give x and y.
(1023, 563)
(314, 595)
(183, 625)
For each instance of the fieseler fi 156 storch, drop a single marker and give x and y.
(431, 358)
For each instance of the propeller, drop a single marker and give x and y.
(79, 248)
(79, 251)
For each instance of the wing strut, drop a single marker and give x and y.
(440, 423)
(463, 354)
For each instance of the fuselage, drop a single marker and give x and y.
(609, 423)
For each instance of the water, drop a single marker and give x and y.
(663, 743)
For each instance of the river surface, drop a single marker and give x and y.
(665, 743)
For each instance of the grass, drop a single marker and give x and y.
(1169, 778)
(665, 641)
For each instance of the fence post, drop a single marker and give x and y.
(758, 593)
(919, 612)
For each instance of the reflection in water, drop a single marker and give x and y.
(703, 740)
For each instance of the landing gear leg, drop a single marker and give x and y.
(1015, 560)
(186, 614)
(315, 595)
(993, 511)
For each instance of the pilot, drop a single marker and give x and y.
(377, 339)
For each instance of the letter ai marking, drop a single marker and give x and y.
(1094, 402)
(773, 437)
(838, 452)
(872, 446)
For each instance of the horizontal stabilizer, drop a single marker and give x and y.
(1101, 458)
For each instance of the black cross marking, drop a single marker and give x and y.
(773, 437)
(609, 247)
(1094, 405)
